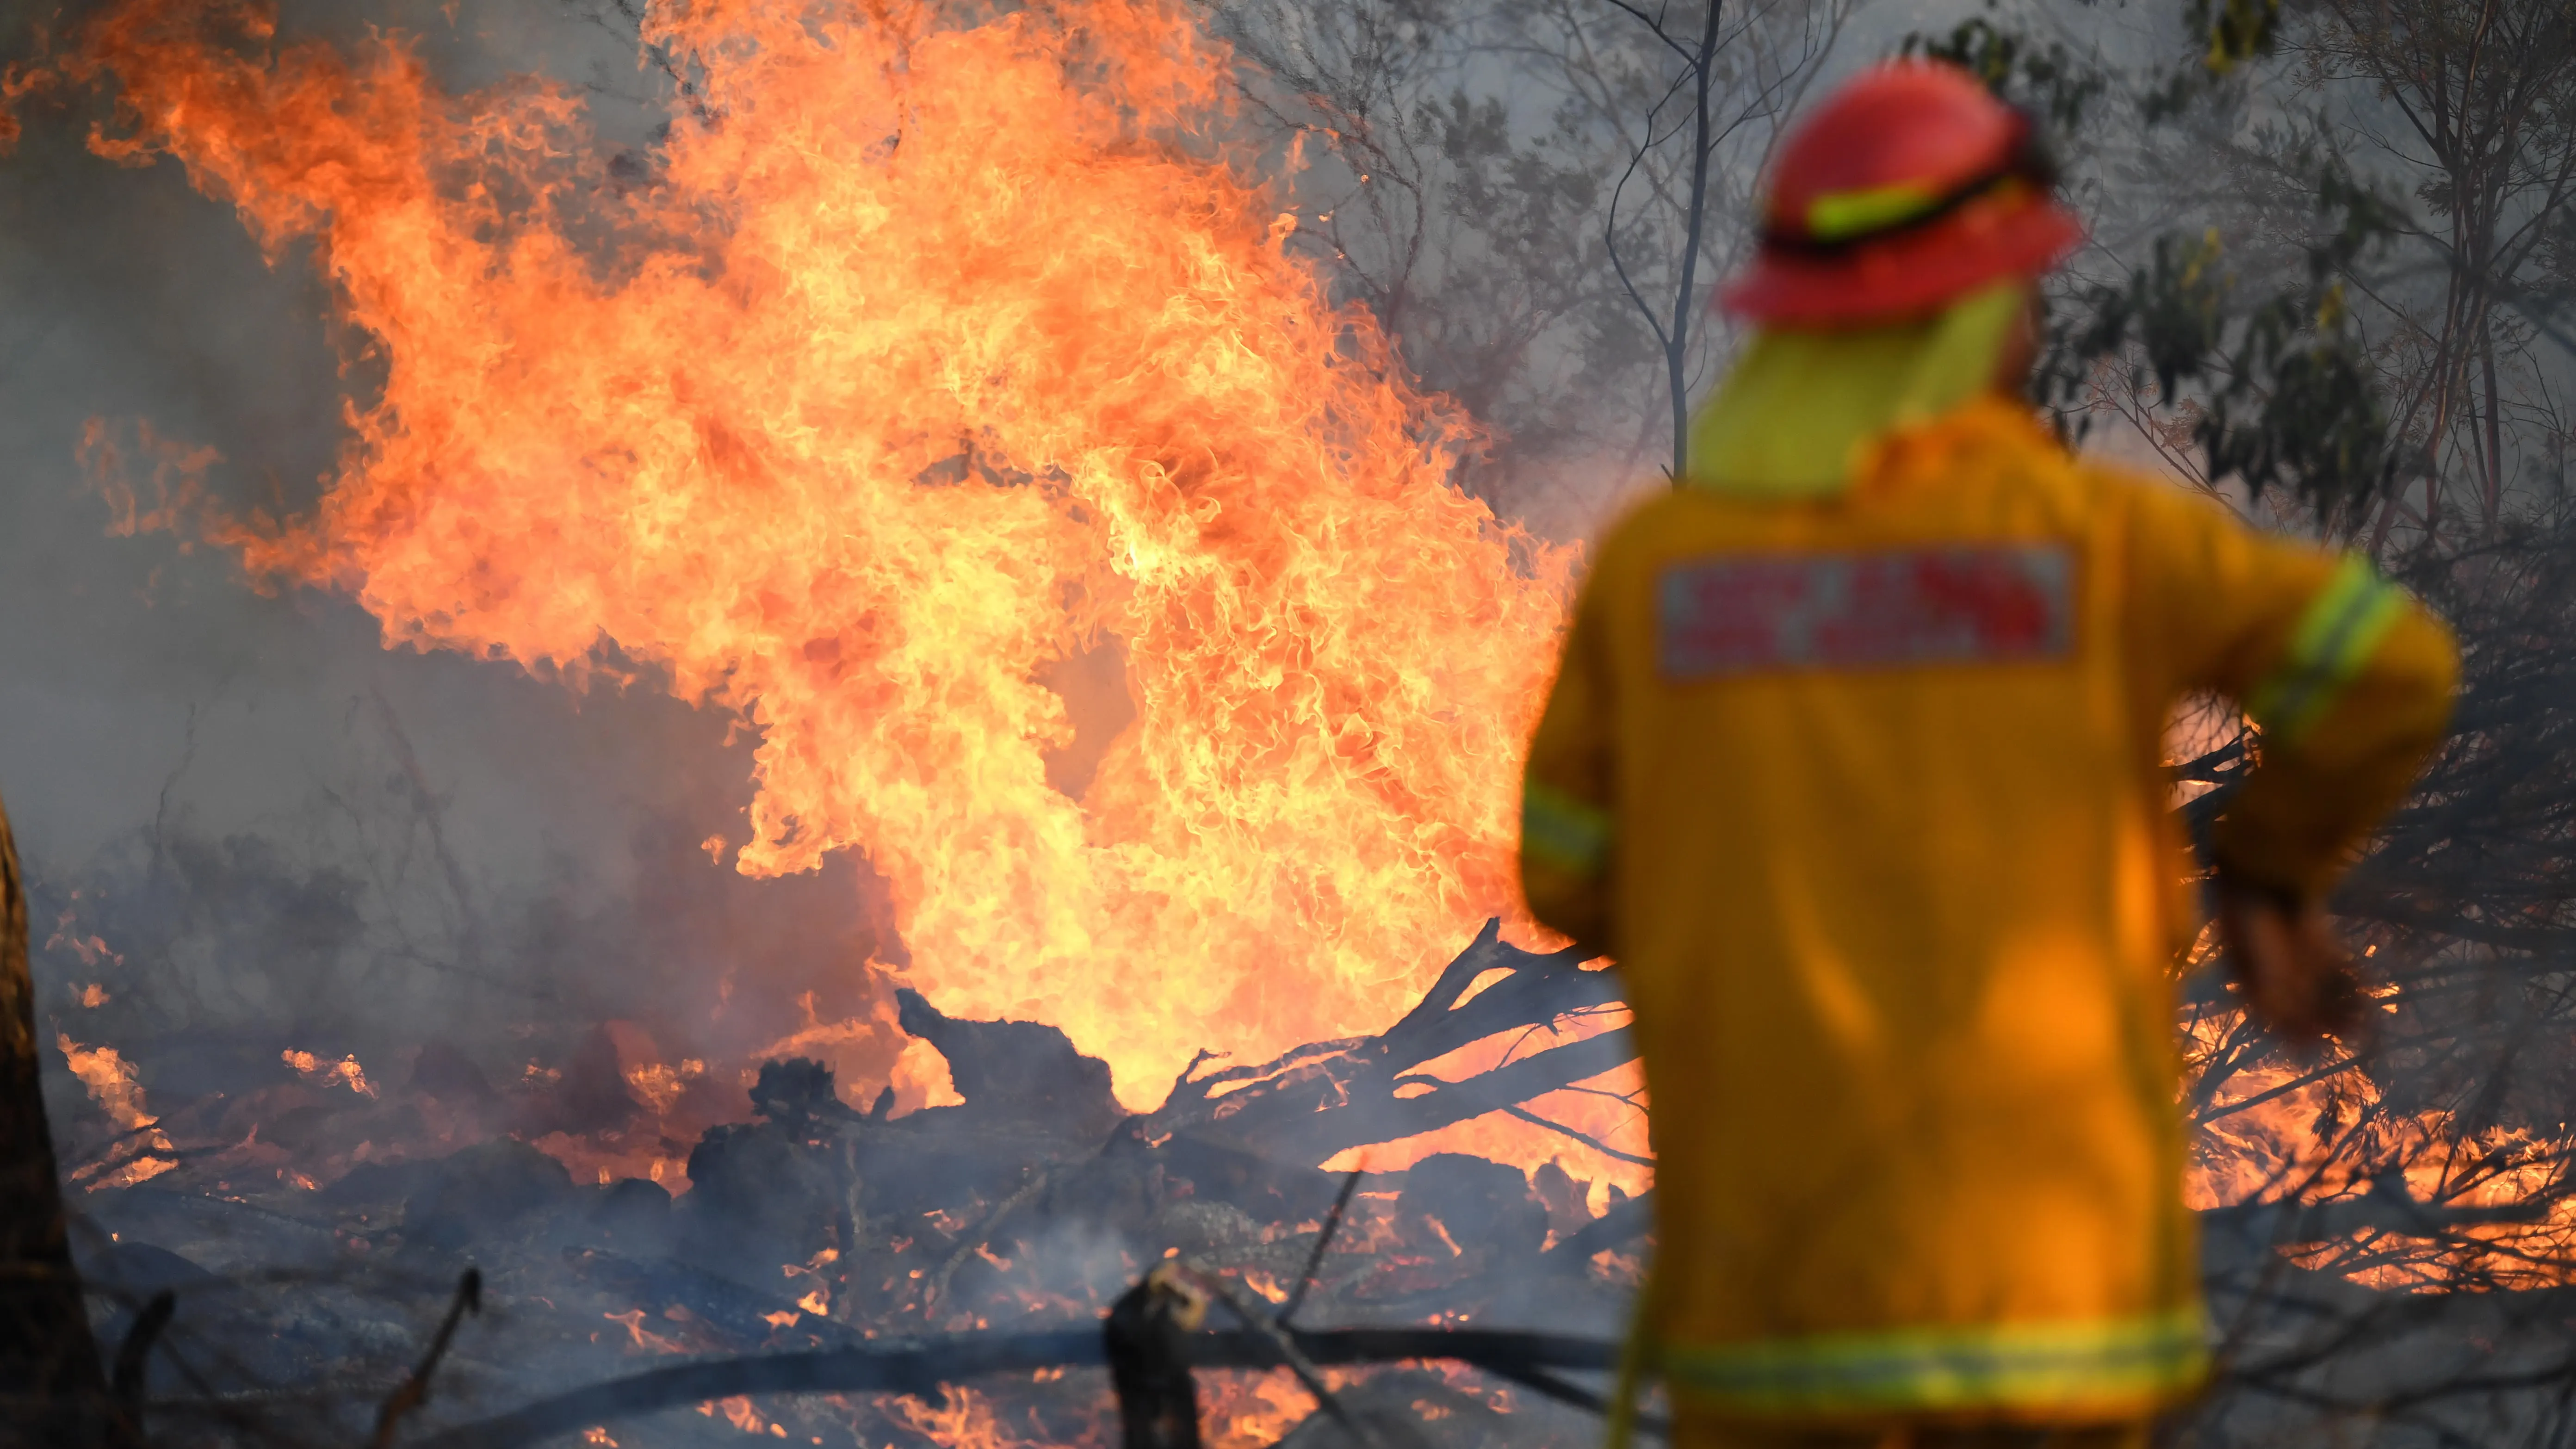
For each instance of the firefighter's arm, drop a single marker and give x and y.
(2349, 709)
(2350, 705)
(2349, 682)
(1569, 831)
(2346, 677)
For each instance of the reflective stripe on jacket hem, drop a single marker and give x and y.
(2335, 638)
(2003, 1366)
(1564, 831)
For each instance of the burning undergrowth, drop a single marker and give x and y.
(309, 1226)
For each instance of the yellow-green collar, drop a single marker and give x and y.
(1801, 408)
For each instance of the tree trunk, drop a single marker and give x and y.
(1685, 299)
(52, 1390)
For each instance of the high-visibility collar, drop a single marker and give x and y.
(1801, 408)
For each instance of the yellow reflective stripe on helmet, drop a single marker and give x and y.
(2335, 638)
(1564, 831)
(1984, 1366)
(1840, 215)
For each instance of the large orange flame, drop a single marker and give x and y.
(938, 345)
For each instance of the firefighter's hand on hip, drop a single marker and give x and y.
(2296, 978)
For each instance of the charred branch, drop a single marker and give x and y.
(1323, 1243)
(414, 1390)
(1327, 1097)
(924, 1368)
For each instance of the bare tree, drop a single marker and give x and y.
(1690, 102)
(1695, 75)
(1423, 195)
(2477, 104)
(1532, 198)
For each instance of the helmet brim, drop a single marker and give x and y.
(1905, 275)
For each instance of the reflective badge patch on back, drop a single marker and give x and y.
(1964, 604)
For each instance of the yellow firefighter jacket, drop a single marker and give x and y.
(1864, 794)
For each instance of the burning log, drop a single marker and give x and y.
(1625, 1222)
(1020, 1073)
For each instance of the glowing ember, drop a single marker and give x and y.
(644, 1338)
(739, 1413)
(942, 357)
(964, 1419)
(1258, 1409)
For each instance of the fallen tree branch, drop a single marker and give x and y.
(1320, 1135)
(1325, 1097)
(1539, 989)
(1586, 1138)
(922, 1367)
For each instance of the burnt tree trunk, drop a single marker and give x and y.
(52, 1390)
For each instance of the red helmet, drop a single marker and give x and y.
(1910, 187)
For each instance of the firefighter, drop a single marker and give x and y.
(1854, 765)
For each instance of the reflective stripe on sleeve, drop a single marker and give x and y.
(1563, 831)
(1972, 1367)
(2335, 638)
